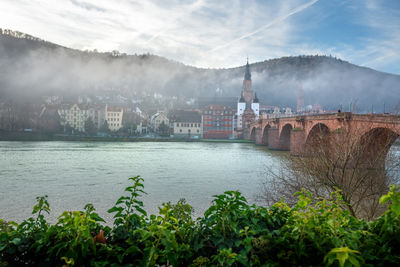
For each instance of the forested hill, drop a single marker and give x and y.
(32, 67)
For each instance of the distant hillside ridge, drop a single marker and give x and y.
(31, 67)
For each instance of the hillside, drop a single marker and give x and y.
(31, 67)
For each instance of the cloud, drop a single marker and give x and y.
(266, 26)
(206, 33)
(184, 31)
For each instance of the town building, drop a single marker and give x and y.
(114, 117)
(49, 119)
(157, 119)
(217, 122)
(186, 123)
(142, 128)
(248, 107)
(75, 115)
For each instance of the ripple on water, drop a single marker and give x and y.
(76, 173)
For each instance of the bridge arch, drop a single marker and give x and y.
(253, 133)
(284, 137)
(265, 134)
(373, 147)
(317, 138)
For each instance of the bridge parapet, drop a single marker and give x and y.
(269, 131)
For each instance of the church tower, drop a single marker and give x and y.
(247, 106)
(246, 88)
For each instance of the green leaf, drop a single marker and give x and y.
(16, 241)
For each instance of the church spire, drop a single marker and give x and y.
(247, 74)
(255, 98)
(241, 100)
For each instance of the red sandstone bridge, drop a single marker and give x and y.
(298, 133)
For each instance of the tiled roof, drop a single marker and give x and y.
(185, 116)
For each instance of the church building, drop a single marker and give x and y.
(248, 107)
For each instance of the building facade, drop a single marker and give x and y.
(76, 115)
(114, 117)
(217, 122)
(157, 119)
(186, 124)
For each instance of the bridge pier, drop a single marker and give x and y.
(297, 142)
(246, 134)
(259, 136)
(273, 139)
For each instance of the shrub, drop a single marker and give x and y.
(314, 232)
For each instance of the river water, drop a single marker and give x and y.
(75, 173)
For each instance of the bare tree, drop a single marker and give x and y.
(358, 162)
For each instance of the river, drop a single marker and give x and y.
(75, 173)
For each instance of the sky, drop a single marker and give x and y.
(218, 34)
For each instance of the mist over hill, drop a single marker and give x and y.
(30, 68)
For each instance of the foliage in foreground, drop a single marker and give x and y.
(231, 233)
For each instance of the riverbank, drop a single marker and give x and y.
(32, 136)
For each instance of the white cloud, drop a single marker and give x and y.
(380, 49)
(188, 32)
(203, 33)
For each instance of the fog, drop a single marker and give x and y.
(30, 69)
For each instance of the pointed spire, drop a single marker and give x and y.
(247, 74)
(241, 100)
(256, 99)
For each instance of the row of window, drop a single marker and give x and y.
(113, 119)
(218, 122)
(187, 124)
(217, 117)
(69, 117)
(198, 131)
(114, 124)
(217, 112)
(79, 111)
(112, 114)
(228, 129)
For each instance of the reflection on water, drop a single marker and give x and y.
(75, 173)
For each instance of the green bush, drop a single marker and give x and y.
(231, 233)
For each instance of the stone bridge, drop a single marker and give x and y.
(298, 134)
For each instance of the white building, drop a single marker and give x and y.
(186, 123)
(114, 117)
(157, 119)
(76, 115)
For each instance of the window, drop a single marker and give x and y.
(198, 131)
(180, 130)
